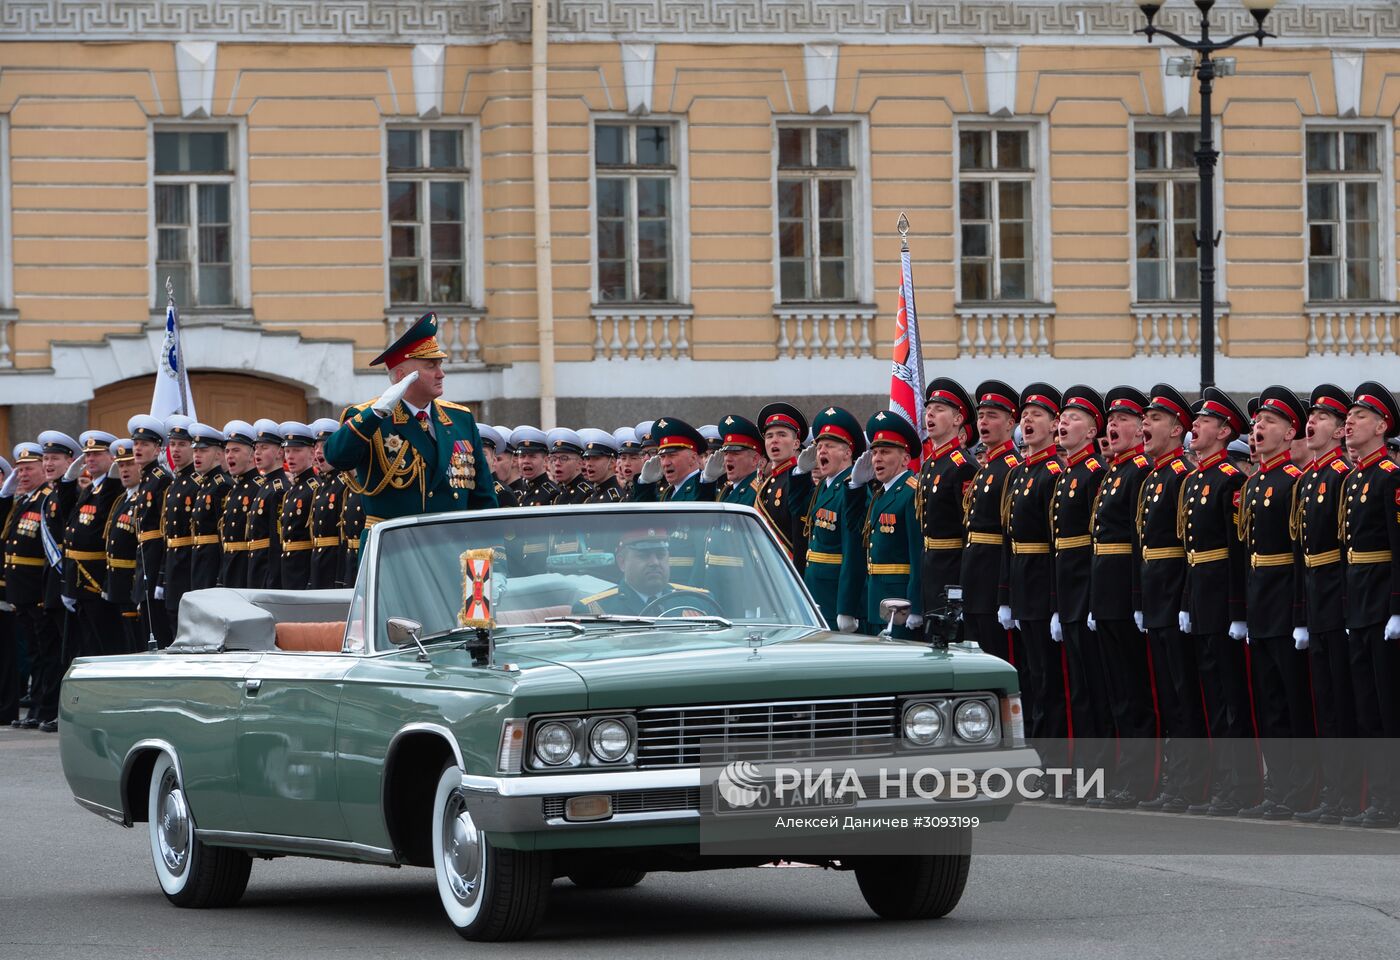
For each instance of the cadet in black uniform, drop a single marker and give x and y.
(599, 456)
(1317, 505)
(1275, 611)
(327, 545)
(264, 550)
(10, 679)
(566, 466)
(1115, 600)
(1370, 526)
(783, 494)
(61, 469)
(244, 483)
(179, 505)
(1213, 608)
(981, 579)
(532, 459)
(352, 524)
(294, 517)
(493, 444)
(121, 588)
(629, 459)
(207, 553)
(24, 584)
(85, 551)
(945, 481)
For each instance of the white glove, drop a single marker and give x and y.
(1091, 624)
(69, 604)
(160, 593)
(714, 467)
(1057, 632)
(1238, 630)
(1137, 618)
(1392, 628)
(1004, 617)
(114, 471)
(1300, 638)
(6, 606)
(105, 597)
(846, 624)
(651, 470)
(74, 471)
(1183, 621)
(863, 471)
(914, 621)
(393, 395)
(7, 489)
(806, 460)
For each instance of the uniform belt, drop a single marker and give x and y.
(1197, 557)
(147, 535)
(264, 544)
(180, 542)
(1270, 559)
(1163, 553)
(236, 546)
(353, 544)
(25, 561)
(990, 539)
(943, 543)
(1019, 547)
(296, 546)
(888, 569)
(117, 563)
(206, 539)
(1368, 556)
(326, 542)
(1115, 549)
(85, 554)
(816, 556)
(1072, 543)
(720, 560)
(1322, 559)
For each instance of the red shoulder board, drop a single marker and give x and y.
(1387, 465)
(1228, 469)
(958, 458)
(1011, 460)
(1340, 466)
(1178, 466)
(1053, 466)
(1140, 460)
(1291, 470)
(1094, 464)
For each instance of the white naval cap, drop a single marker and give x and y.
(5, 468)
(204, 435)
(296, 434)
(240, 431)
(123, 450)
(56, 441)
(564, 440)
(491, 437)
(643, 430)
(323, 427)
(94, 441)
(712, 436)
(177, 426)
(27, 452)
(597, 443)
(145, 427)
(626, 438)
(529, 440)
(267, 431)
(507, 437)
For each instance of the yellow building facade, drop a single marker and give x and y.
(724, 184)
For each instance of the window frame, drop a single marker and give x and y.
(240, 267)
(680, 207)
(1042, 266)
(1221, 260)
(7, 221)
(1385, 208)
(862, 261)
(473, 260)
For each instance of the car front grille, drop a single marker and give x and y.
(638, 801)
(782, 730)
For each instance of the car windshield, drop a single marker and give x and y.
(664, 562)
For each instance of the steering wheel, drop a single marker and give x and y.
(681, 603)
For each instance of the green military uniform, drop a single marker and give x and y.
(832, 531)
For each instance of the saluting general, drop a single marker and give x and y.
(411, 451)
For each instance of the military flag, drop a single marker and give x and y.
(907, 372)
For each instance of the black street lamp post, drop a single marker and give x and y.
(1207, 69)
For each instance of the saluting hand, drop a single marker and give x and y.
(7, 489)
(846, 624)
(806, 460)
(393, 395)
(714, 467)
(651, 470)
(862, 471)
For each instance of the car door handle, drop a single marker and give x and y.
(251, 687)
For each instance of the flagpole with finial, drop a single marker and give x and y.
(907, 369)
(902, 225)
(174, 312)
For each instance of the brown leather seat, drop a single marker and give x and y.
(324, 637)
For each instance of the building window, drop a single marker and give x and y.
(816, 221)
(996, 203)
(428, 178)
(194, 180)
(636, 173)
(1165, 211)
(1344, 182)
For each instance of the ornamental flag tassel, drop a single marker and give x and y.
(172, 392)
(907, 371)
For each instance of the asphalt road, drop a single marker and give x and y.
(74, 885)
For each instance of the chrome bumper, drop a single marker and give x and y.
(516, 804)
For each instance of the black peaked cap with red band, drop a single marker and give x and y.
(1376, 398)
(668, 433)
(1042, 395)
(998, 395)
(889, 429)
(1251, 407)
(1168, 400)
(1126, 399)
(836, 423)
(783, 415)
(1217, 403)
(1330, 398)
(1285, 403)
(1081, 397)
(739, 433)
(951, 393)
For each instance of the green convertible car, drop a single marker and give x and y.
(508, 697)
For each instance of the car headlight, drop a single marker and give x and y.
(973, 721)
(923, 723)
(554, 743)
(610, 740)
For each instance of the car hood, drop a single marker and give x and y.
(657, 667)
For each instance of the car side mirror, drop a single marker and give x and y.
(893, 609)
(404, 632)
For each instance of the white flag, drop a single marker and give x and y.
(172, 394)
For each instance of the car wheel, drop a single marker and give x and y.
(915, 887)
(606, 878)
(488, 893)
(190, 873)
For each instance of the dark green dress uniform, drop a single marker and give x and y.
(686, 554)
(327, 547)
(624, 600)
(85, 568)
(205, 521)
(179, 539)
(832, 531)
(1214, 597)
(294, 530)
(981, 559)
(264, 545)
(233, 528)
(352, 524)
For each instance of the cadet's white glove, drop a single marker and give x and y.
(1300, 638)
(74, 471)
(846, 624)
(159, 593)
(651, 470)
(1091, 624)
(1057, 632)
(69, 604)
(862, 471)
(7, 607)
(714, 467)
(1183, 621)
(1238, 630)
(1004, 617)
(914, 621)
(105, 597)
(7, 489)
(1137, 618)
(393, 395)
(1392, 628)
(806, 460)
